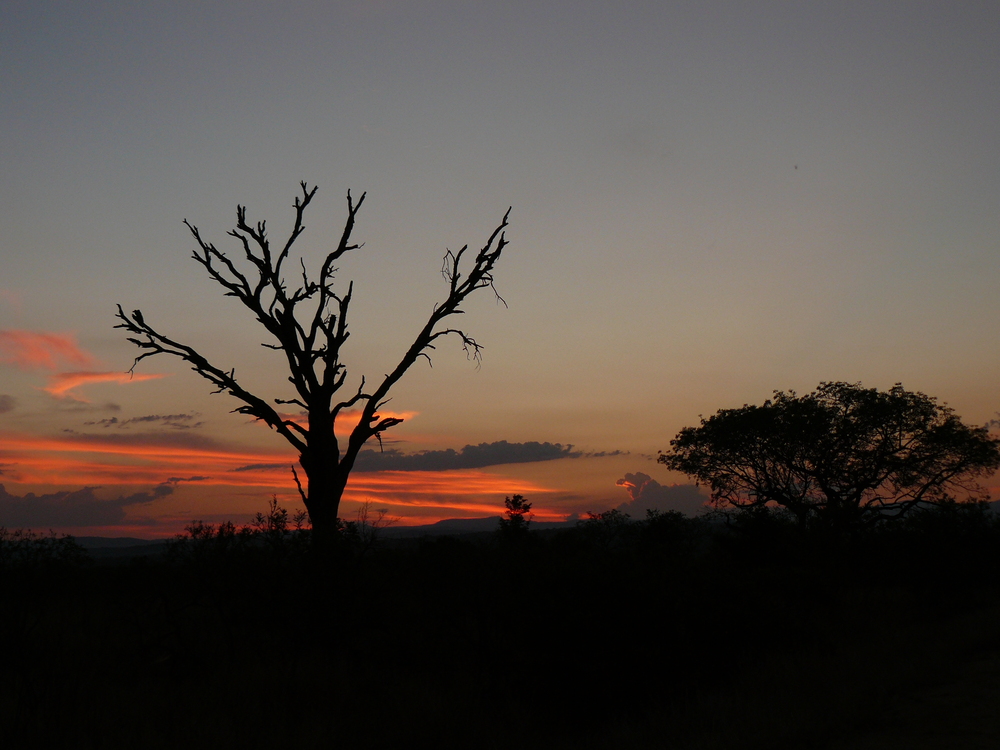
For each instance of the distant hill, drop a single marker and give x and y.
(117, 547)
(116, 542)
(459, 526)
(448, 526)
(127, 546)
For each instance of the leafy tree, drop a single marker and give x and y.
(515, 520)
(308, 324)
(843, 455)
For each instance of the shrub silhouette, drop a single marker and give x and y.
(24, 549)
(607, 530)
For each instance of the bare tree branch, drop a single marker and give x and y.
(309, 325)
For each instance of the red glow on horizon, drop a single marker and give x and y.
(31, 350)
(122, 467)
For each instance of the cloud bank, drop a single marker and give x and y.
(177, 421)
(648, 494)
(469, 457)
(69, 509)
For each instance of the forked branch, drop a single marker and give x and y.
(309, 325)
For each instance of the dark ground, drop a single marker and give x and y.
(665, 633)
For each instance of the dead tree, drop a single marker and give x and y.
(309, 325)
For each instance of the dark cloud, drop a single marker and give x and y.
(179, 439)
(161, 418)
(66, 509)
(7, 403)
(260, 467)
(470, 457)
(76, 407)
(648, 494)
(177, 421)
(177, 480)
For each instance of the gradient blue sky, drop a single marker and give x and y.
(710, 201)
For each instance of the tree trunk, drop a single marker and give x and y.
(325, 483)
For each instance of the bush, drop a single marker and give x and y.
(22, 549)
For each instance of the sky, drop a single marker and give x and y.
(709, 201)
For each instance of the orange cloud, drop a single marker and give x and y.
(31, 350)
(415, 496)
(60, 385)
(134, 459)
(348, 419)
(82, 459)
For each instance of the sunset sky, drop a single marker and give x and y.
(710, 201)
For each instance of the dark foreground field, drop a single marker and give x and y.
(663, 633)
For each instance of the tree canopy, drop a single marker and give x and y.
(843, 455)
(516, 519)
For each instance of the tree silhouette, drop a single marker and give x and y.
(309, 325)
(843, 455)
(516, 519)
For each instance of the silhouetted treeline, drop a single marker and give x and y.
(659, 632)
